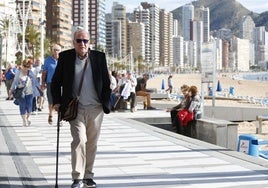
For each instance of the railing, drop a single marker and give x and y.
(260, 118)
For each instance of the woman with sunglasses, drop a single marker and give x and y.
(27, 79)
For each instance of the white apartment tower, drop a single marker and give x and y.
(119, 14)
(175, 27)
(96, 20)
(154, 32)
(143, 16)
(246, 28)
(197, 28)
(166, 34)
(242, 54)
(178, 51)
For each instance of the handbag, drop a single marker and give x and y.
(18, 93)
(185, 117)
(71, 111)
(72, 107)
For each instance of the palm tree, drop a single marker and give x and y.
(4, 28)
(33, 41)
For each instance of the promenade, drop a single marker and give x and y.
(130, 154)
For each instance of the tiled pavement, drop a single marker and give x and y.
(130, 155)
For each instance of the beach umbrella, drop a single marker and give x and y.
(163, 85)
(219, 86)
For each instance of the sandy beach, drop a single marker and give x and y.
(242, 88)
(246, 89)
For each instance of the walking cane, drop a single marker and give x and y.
(57, 155)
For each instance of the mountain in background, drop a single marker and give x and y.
(223, 14)
(226, 14)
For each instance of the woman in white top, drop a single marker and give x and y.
(27, 79)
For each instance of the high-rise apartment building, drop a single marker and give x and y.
(246, 28)
(241, 58)
(187, 17)
(261, 43)
(166, 35)
(175, 27)
(119, 14)
(142, 15)
(178, 51)
(154, 32)
(205, 18)
(225, 55)
(59, 22)
(96, 20)
(136, 44)
(197, 37)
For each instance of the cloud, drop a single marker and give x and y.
(255, 6)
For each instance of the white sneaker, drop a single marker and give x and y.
(77, 184)
(23, 123)
(34, 113)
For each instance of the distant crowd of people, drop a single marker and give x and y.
(35, 78)
(126, 87)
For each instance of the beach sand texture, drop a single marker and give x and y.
(242, 88)
(246, 89)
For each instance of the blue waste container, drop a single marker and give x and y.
(231, 90)
(248, 144)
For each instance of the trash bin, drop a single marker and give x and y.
(210, 92)
(231, 90)
(248, 144)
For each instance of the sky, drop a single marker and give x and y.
(257, 6)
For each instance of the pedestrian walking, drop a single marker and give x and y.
(25, 78)
(94, 101)
(47, 74)
(170, 84)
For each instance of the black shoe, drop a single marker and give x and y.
(151, 108)
(89, 183)
(39, 109)
(77, 184)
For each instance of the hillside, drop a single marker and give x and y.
(225, 14)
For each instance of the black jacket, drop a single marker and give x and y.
(63, 78)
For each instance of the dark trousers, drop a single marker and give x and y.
(173, 115)
(188, 130)
(34, 104)
(132, 99)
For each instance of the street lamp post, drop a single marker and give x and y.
(42, 23)
(24, 19)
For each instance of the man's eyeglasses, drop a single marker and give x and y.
(56, 50)
(85, 41)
